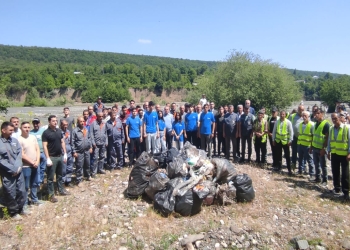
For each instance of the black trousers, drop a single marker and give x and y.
(278, 151)
(339, 163)
(221, 143)
(192, 137)
(246, 139)
(230, 140)
(134, 149)
(14, 190)
(260, 147)
(273, 150)
(169, 140)
(238, 146)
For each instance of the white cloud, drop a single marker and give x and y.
(144, 41)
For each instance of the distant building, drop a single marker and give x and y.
(315, 77)
(303, 81)
(78, 73)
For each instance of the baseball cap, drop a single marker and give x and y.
(274, 109)
(36, 120)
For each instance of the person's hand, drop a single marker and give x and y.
(128, 139)
(164, 138)
(348, 157)
(322, 152)
(90, 150)
(75, 155)
(212, 135)
(94, 146)
(157, 135)
(48, 162)
(141, 139)
(198, 135)
(310, 150)
(270, 134)
(289, 144)
(145, 135)
(35, 164)
(185, 135)
(329, 156)
(65, 158)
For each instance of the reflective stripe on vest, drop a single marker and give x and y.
(305, 138)
(318, 137)
(282, 136)
(339, 145)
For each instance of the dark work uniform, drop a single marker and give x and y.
(54, 148)
(271, 123)
(220, 120)
(15, 194)
(246, 123)
(230, 123)
(81, 144)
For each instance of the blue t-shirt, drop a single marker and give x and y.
(206, 120)
(38, 133)
(161, 125)
(151, 119)
(134, 126)
(178, 127)
(191, 120)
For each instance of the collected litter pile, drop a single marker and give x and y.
(182, 181)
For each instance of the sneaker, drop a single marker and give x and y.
(17, 217)
(336, 193)
(324, 184)
(53, 199)
(315, 180)
(69, 184)
(102, 172)
(64, 193)
(25, 211)
(93, 176)
(38, 203)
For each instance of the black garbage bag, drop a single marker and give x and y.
(244, 188)
(224, 170)
(161, 159)
(164, 201)
(177, 168)
(188, 204)
(157, 182)
(201, 190)
(171, 153)
(140, 175)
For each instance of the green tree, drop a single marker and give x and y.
(333, 90)
(246, 76)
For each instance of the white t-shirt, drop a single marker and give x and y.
(203, 101)
(16, 134)
(28, 147)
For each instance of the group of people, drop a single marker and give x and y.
(102, 138)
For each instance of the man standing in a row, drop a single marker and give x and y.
(53, 143)
(245, 127)
(271, 121)
(116, 139)
(230, 132)
(12, 177)
(98, 133)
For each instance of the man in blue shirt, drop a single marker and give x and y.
(133, 135)
(191, 124)
(168, 119)
(37, 132)
(206, 129)
(150, 128)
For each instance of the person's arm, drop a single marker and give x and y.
(63, 145)
(123, 134)
(213, 129)
(91, 132)
(274, 131)
(144, 130)
(290, 131)
(127, 133)
(4, 164)
(37, 148)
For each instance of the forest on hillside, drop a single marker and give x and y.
(40, 70)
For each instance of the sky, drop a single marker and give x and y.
(301, 34)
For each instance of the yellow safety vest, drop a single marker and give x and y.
(305, 138)
(264, 137)
(284, 135)
(339, 145)
(318, 137)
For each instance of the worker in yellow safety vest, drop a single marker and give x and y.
(319, 145)
(260, 137)
(282, 137)
(338, 151)
(305, 131)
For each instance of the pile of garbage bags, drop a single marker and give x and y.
(183, 181)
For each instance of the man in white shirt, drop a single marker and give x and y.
(203, 101)
(17, 132)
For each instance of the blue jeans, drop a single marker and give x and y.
(30, 174)
(303, 152)
(320, 164)
(39, 178)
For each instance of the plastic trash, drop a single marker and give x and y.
(244, 188)
(188, 204)
(209, 200)
(226, 194)
(177, 168)
(224, 170)
(140, 175)
(164, 201)
(201, 190)
(171, 154)
(157, 182)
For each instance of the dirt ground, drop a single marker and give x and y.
(99, 216)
